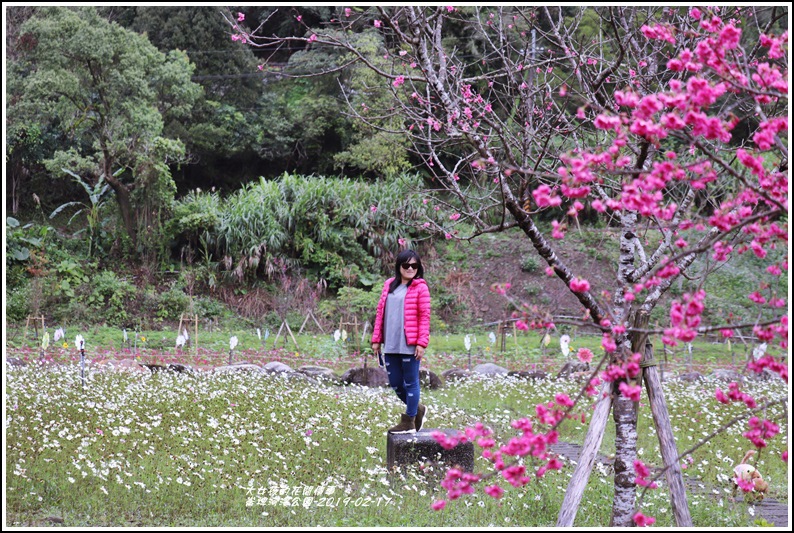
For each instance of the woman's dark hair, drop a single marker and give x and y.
(404, 257)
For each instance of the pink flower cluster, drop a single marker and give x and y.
(760, 430)
(579, 285)
(734, 395)
(529, 443)
(769, 362)
(643, 473)
(659, 32)
(685, 316)
(641, 520)
(459, 483)
(775, 45)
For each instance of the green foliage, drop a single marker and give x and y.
(110, 92)
(110, 298)
(171, 304)
(97, 196)
(18, 302)
(71, 274)
(531, 290)
(20, 240)
(206, 307)
(325, 227)
(530, 263)
(351, 302)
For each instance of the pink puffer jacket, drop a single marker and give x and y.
(417, 314)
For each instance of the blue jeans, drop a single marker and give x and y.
(403, 371)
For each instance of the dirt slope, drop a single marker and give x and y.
(466, 270)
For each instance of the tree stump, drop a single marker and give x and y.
(421, 446)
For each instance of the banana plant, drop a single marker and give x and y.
(97, 197)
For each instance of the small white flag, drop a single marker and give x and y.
(232, 342)
(564, 345)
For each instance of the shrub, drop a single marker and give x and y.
(112, 297)
(172, 304)
(529, 263)
(208, 308)
(336, 229)
(351, 302)
(18, 302)
(531, 290)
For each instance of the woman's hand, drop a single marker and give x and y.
(376, 348)
(420, 352)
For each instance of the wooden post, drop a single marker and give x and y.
(592, 443)
(284, 325)
(35, 320)
(275, 341)
(364, 332)
(305, 320)
(291, 335)
(661, 419)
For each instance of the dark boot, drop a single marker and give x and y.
(406, 425)
(421, 415)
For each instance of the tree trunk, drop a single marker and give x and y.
(125, 207)
(624, 411)
(592, 443)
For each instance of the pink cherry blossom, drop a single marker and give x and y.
(579, 285)
(584, 355)
(494, 491)
(641, 520)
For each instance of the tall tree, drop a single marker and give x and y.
(626, 111)
(109, 91)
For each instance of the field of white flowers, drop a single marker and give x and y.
(240, 449)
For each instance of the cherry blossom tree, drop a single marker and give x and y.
(670, 122)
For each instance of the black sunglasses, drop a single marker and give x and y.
(407, 266)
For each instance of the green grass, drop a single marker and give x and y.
(523, 351)
(202, 450)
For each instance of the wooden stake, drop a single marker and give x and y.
(275, 341)
(284, 325)
(291, 335)
(35, 320)
(592, 443)
(664, 430)
(311, 314)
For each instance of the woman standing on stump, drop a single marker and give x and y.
(402, 326)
